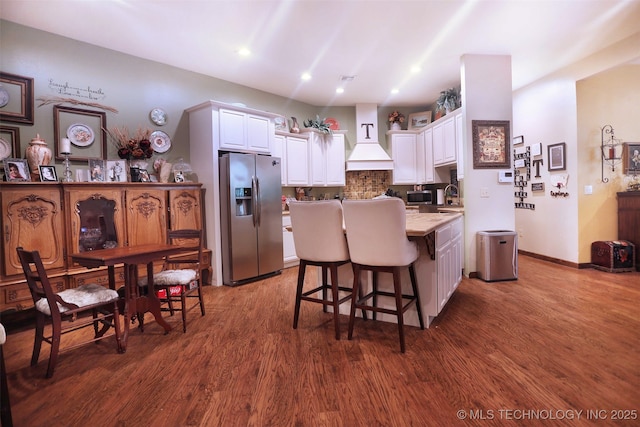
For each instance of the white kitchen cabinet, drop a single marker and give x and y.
(404, 154)
(444, 141)
(460, 145)
(326, 159)
(240, 131)
(429, 175)
(293, 150)
(421, 172)
(448, 260)
(288, 247)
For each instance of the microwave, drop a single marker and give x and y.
(424, 197)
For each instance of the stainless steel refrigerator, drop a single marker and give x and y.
(251, 217)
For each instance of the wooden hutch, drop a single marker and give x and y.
(59, 219)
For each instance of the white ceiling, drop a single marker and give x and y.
(376, 41)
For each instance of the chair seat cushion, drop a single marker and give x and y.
(81, 296)
(171, 277)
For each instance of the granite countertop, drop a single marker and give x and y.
(458, 209)
(421, 224)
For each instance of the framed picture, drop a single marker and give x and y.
(16, 98)
(16, 170)
(116, 171)
(631, 158)
(419, 120)
(518, 140)
(97, 169)
(491, 147)
(9, 141)
(144, 176)
(536, 149)
(281, 123)
(84, 128)
(557, 157)
(48, 174)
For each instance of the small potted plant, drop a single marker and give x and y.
(448, 100)
(319, 125)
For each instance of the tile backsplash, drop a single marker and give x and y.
(366, 184)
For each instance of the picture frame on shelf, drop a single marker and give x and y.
(48, 173)
(117, 170)
(91, 124)
(557, 157)
(281, 124)
(9, 141)
(97, 170)
(16, 98)
(16, 170)
(419, 120)
(518, 140)
(491, 144)
(631, 158)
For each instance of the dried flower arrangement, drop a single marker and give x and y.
(135, 147)
(396, 117)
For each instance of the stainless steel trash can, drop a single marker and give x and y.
(497, 255)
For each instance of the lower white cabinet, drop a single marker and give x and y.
(288, 247)
(448, 260)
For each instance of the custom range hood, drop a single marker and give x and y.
(368, 154)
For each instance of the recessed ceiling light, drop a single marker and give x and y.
(244, 51)
(340, 90)
(416, 69)
(394, 91)
(305, 76)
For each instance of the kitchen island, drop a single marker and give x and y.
(438, 267)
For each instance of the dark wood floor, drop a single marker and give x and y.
(555, 342)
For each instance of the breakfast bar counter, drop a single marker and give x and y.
(438, 267)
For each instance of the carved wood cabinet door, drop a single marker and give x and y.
(185, 209)
(146, 216)
(96, 218)
(32, 219)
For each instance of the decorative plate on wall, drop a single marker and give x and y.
(333, 123)
(80, 134)
(5, 149)
(160, 141)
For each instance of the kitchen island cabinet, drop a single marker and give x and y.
(438, 267)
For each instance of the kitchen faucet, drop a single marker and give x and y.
(447, 195)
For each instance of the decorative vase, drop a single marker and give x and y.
(396, 126)
(38, 154)
(294, 125)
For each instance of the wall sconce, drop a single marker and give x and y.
(611, 149)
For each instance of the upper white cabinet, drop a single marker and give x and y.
(241, 131)
(460, 145)
(293, 150)
(326, 159)
(444, 140)
(429, 175)
(404, 149)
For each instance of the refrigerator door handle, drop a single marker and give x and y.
(257, 203)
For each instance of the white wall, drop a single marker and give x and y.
(547, 112)
(486, 95)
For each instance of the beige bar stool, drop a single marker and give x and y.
(377, 238)
(318, 236)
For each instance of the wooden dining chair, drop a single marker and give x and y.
(68, 311)
(180, 279)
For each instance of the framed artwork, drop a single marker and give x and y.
(491, 144)
(116, 171)
(536, 149)
(84, 128)
(97, 170)
(16, 98)
(518, 140)
(48, 173)
(16, 170)
(631, 158)
(419, 120)
(557, 157)
(281, 123)
(9, 141)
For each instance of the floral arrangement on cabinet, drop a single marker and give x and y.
(131, 147)
(395, 120)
